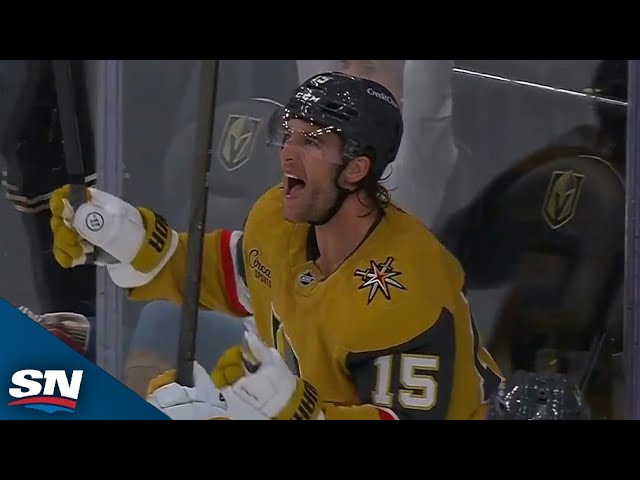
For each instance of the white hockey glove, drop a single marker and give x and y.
(271, 388)
(140, 241)
(203, 401)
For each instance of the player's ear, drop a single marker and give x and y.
(356, 170)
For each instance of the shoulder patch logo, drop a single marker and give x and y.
(378, 278)
(562, 198)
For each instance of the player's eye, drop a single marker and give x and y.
(311, 141)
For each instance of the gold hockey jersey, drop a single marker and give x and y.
(388, 335)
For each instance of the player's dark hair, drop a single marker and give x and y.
(371, 185)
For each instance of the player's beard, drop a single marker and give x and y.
(312, 204)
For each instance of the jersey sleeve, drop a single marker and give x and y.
(223, 282)
(410, 381)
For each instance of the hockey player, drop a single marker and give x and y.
(551, 228)
(360, 300)
(415, 180)
(31, 146)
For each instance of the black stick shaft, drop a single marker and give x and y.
(67, 109)
(197, 221)
(65, 92)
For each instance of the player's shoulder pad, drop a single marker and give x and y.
(404, 285)
(266, 211)
(265, 227)
(431, 269)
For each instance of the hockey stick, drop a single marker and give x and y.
(592, 360)
(197, 220)
(65, 93)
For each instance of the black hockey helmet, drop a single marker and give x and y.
(534, 396)
(610, 80)
(364, 113)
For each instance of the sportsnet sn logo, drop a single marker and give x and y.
(37, 390)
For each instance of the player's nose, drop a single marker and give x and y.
(289, 153)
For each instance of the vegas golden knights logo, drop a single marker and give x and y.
(562, 198)
(238, 139)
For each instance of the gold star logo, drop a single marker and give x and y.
(379, 277)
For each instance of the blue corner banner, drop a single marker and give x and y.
(42, 378)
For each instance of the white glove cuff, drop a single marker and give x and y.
(125, 276)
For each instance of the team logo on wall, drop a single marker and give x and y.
(562, 198)
(378, 278)
(238, 140)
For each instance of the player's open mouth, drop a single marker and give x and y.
(293, 186)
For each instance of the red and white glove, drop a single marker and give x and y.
(72, 328)
(266, 385)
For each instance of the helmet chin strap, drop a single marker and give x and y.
(343, 194)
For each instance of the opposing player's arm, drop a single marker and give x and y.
(223, 282)
(409, 381)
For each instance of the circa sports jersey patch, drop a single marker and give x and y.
(378, 278)
(260, 270)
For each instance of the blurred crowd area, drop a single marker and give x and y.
(516, 165)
